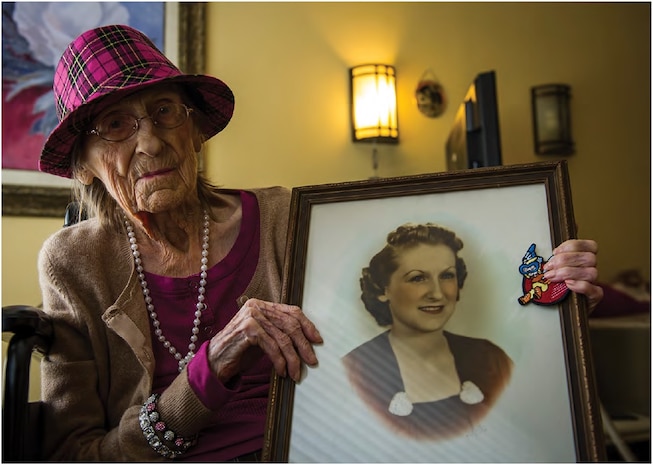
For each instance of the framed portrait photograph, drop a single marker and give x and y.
(442, 341)
(34, 35)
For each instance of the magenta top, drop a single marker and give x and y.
(240, 406)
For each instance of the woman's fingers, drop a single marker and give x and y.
(278, 345)
(575, 272)
(281, 331)
(574, 262)
(274, 346)
(293, 323)
(573, 259)
(577, 245)
(593, 293)
(288, 336)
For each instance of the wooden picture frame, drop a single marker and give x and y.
(548, 410)
(47, 196)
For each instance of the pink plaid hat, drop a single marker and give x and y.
(105, 64)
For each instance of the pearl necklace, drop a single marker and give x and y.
(199, 307)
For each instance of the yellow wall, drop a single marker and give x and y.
(21, 240)
(288, 62)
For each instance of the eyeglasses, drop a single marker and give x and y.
(116, 127)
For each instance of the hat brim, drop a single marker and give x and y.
(212, 97)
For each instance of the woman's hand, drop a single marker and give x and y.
(574, 262)
(280, 331)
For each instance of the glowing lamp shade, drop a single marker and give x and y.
(374, 103)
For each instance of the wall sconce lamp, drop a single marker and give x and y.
(374, 103)
(374, 106)
(552, 119)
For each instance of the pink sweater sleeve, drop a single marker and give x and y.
(208, 388)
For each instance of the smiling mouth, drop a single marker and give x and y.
(152, 174)
(432, 308)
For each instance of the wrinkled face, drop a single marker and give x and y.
(155, 169)
(422, 292)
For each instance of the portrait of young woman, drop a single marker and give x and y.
(427, 351)
(416, 371)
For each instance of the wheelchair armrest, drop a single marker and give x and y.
(32, 331)
(26, 321)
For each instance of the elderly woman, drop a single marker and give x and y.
(166, 321)
(421, 380)
(165, 330)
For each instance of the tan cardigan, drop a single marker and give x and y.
(100, 368)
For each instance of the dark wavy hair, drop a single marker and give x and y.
(376, 277)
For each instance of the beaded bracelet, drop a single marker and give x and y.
(152, 425)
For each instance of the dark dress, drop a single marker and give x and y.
(374, 372)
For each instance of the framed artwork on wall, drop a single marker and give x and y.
(388, 266)
(34, 36)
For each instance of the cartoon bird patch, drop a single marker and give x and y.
(536, 288)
